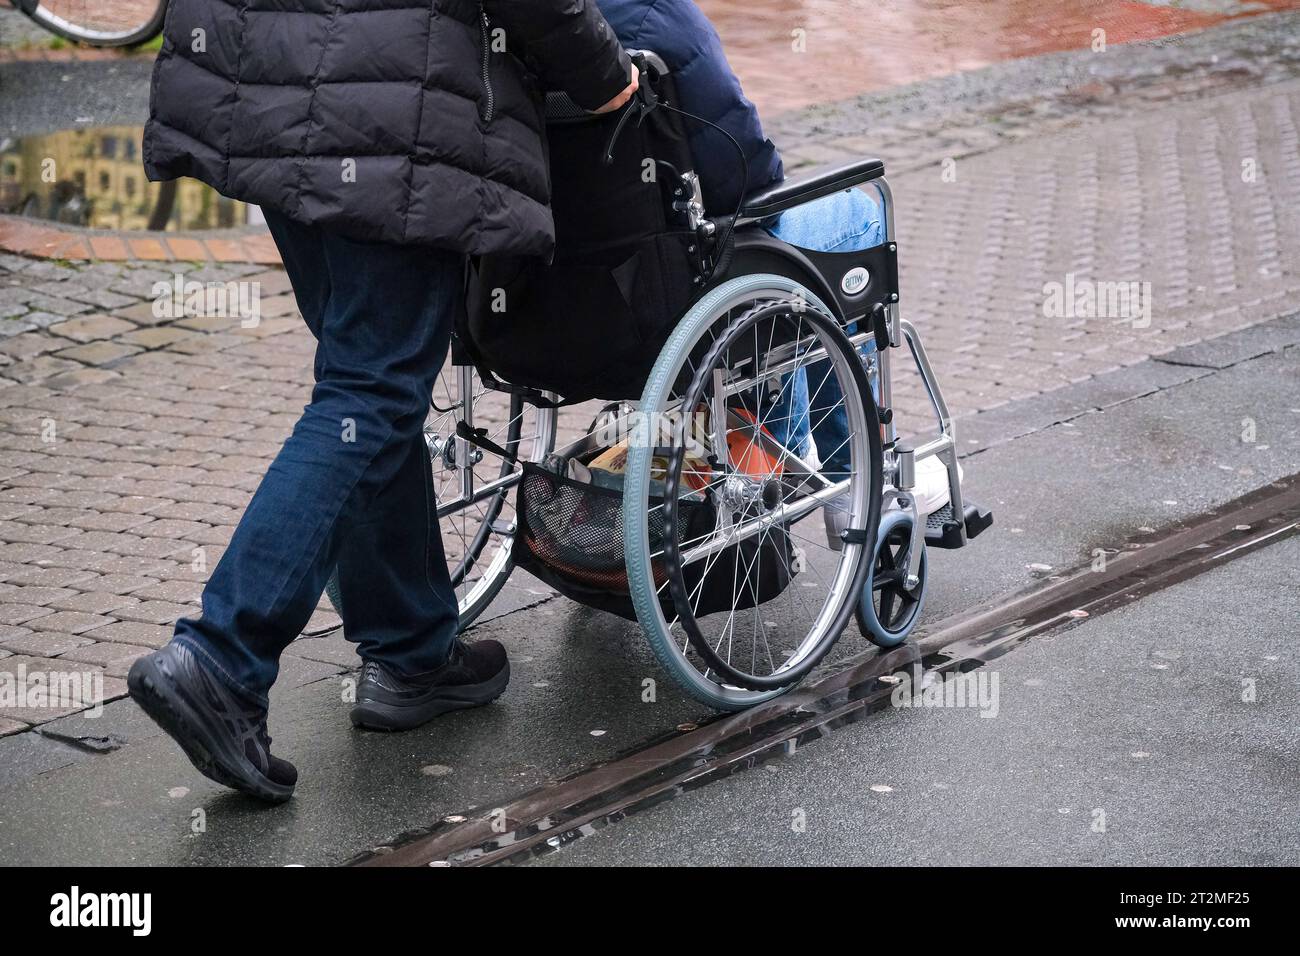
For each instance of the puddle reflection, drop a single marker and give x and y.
(94, 177)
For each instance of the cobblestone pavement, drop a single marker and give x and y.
(131, 443)
(907, 39)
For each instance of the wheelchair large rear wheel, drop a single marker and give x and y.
(477, 530)
(733, 575)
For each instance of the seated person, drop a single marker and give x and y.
(806, 418)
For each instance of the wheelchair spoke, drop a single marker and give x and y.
(887, 606)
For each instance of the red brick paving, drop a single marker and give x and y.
(47, 240)
(184, 247)
(108, 247)
(157, 450)
(148, 249)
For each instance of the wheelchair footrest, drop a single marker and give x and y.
(943, 531)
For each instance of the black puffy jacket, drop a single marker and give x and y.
(412, 121)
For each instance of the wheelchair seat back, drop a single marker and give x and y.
(591, 323)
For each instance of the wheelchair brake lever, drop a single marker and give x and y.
(618, 131)
(643, 102)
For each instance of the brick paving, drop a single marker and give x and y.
(23, 39)
(133, 440)
(1158, 199)
(52, 241)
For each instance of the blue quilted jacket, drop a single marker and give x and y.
(679, 32)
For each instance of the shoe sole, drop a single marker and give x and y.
(211, 752)
(379, 715)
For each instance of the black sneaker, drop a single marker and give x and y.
(224, 737)
(474, 675)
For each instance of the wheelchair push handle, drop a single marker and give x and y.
(645, 91)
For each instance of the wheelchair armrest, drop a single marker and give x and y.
(789, 193)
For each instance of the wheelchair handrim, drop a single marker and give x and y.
(850, 574)
(690, 330)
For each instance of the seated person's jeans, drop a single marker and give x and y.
(811, 406)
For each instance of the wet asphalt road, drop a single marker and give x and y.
(1122, 741)
(1125, 740)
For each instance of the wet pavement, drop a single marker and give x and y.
(796, 53)
(789, 55)
(1116, 743)
(1093, 479)
(100, 184)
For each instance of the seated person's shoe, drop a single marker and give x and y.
(931, 494)
(931, 489)
(223, 735)
(475, 674)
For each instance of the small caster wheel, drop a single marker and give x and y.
(887, 610)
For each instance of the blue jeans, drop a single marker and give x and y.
(811, 404)
(352, 485)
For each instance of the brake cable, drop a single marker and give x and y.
(643, 103)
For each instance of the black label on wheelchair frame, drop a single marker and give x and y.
(860, 280)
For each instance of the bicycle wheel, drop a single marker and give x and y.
(99, 23)
(478, 529)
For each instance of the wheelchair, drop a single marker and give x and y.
(683, 506)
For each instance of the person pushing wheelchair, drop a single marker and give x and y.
(384, 147)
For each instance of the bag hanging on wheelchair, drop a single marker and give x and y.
(591, 323)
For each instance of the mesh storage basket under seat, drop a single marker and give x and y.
(571, 537)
